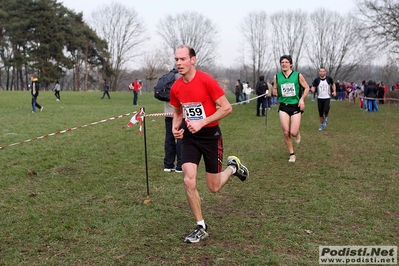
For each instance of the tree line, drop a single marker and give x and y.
(45, 39)
(54, 42)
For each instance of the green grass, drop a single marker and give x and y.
(85, 205)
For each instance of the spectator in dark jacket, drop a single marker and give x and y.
(261, 87)
(239, 89)
(337, 90)
(341, 91)
(381, 92)
(371, 94)
(106, 89)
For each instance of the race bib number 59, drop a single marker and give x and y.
(194, 111)
(288, 89)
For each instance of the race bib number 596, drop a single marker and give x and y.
(288, 89)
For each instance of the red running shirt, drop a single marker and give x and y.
(197, 97)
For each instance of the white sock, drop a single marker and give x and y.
(202, 223)
(234, 168)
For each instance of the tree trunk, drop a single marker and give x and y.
(8, 78)
(13, 78)
(77, 78)
(21, 79)
(27, 80)
(86, 64)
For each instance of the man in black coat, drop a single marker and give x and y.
(260, 89)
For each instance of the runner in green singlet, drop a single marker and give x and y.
(287, 86)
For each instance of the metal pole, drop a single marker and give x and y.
(148, 199)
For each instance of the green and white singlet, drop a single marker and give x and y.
(288, 89)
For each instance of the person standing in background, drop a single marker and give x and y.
(371, 94)
(342, 92)
(57, 89)
(260, 89)
(336, 90)
(172, 146)
(238, 91)
(34, 91)
(135, 87)
(269, 95)
(380, 92)
(106, 89)
(247, 92)
(243, 94)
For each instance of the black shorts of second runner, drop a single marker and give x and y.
(206, 143)
(290, 109)
(324, 106)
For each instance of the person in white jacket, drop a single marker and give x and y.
(247, 91)
(57, 89)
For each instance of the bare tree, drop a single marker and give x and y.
(335, 44)
(190, 28)
(230, 75)
(242, 69)
(389, 72)
(124, 32)
(380, 22)
(154, 66)
(254, 28)
(289, 35)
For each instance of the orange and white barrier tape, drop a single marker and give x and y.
(66, 130)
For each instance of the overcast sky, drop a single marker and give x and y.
(225, 14)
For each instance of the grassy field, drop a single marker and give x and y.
(84, 205)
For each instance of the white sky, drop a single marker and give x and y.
(225, 14)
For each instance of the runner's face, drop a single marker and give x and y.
(285, 65)
(183, 61)
(322, 73)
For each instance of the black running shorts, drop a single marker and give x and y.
(290, 109)
(323, 106)
(207, 143)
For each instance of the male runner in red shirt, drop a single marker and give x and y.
(196, 95)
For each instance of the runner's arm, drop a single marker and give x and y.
(177, 120)
(305, 86)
